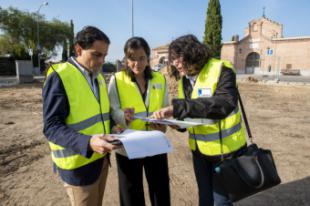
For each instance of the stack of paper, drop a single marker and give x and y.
(139, 144)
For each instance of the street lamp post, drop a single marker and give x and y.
(132, 26)
(38, 33)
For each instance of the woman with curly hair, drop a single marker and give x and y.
(206, 90)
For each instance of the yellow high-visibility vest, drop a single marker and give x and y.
(207, 136)
(87, 115)
(130, 97)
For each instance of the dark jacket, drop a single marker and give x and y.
(219, 106)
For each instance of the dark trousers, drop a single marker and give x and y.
(130, 175)
(210, 191)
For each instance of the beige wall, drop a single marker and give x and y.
(157, 54)
(264, 26)
(228, 52)
(262, 34)
(294, 52)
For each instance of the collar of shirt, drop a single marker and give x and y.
(192, 79)
(85, 72)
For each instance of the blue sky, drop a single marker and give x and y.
(160, 21)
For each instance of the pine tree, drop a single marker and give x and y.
(213, 28)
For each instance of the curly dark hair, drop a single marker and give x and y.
(194, 53)
(135, 43)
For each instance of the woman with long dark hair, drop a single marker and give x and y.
(139, 91)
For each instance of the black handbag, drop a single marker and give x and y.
(248, 171)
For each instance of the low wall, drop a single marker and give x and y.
(24, 71)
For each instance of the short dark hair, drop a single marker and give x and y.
(88, 35)
(135, 43)
(194, 53)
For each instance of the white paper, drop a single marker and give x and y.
(139, 144)
(182, 124)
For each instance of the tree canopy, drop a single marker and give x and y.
(213, 28)
(19, 33)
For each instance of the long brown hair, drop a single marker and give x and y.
(132, 44)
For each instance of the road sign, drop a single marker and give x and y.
(269, 52)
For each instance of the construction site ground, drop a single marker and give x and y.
(279, 116)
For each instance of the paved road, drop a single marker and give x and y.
(304, 79)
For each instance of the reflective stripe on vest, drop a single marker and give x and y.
(216, 136)
(154, 98)
(63, 153)
(206, 136)
(89, 122)
(87, 115)
(209, 121)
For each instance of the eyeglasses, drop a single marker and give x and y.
(177, 61)
(138, 59)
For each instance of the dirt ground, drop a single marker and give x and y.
(280, 120)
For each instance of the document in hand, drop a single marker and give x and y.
(182, 124)
(139, 144)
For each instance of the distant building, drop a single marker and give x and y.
(159, 55)
(119, 65)
(264, 50)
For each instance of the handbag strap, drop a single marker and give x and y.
(245, 121)
(247, 126)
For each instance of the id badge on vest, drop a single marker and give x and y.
(204, 92)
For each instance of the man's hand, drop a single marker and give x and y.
(163, 113)
(160, 127)
(100, 143)
(128, 114)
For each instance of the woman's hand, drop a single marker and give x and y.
(128, 114)
(163, 113)
(117, 129)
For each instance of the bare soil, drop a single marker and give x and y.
(279, 116)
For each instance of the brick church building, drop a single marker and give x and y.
(262, 50)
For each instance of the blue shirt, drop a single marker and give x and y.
(55, 111)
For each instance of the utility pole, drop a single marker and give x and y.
(38, 33)
(264, 9)
(132, 25)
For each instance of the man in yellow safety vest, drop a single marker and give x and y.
(76, 113)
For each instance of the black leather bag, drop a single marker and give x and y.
(247, 174)
(248, 171)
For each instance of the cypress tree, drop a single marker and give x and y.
(213, 28)
(65, 51)
(71, 39)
